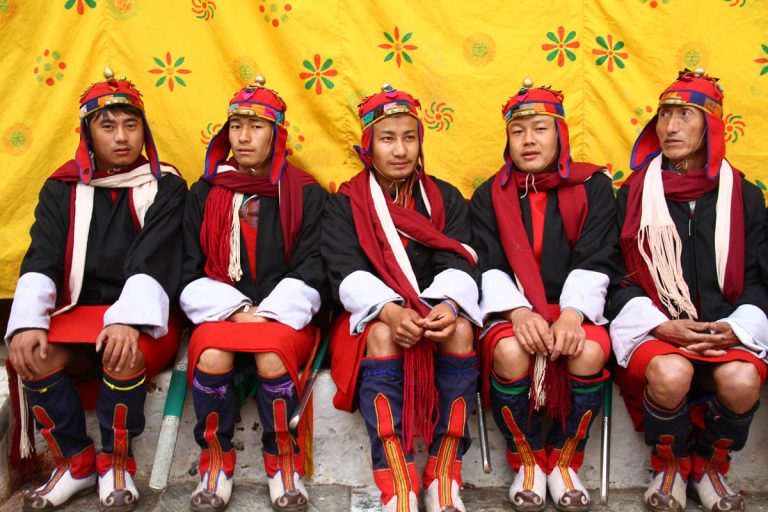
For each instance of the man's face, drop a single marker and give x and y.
(681, 132)
(117, 138)
(533, 143)
(251, 141)
(395, 146)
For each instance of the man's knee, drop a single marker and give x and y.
(269, 364)
(738, 385)
(590, 361)
(669, 379)
(510, 361)
(379, 342)
(213, 360)
(462, 341)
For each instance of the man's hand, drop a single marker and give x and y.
(723, 338)
(121, 344)
(684, 333)
(531, 331)
(568, 334)
(21, 352)
(440, 323)
(406, 326)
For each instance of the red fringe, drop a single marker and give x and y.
(419, 388)
(557, 389)
(215, 233)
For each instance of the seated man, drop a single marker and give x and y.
(545, 230)
(252, 276)
(392, 240)
(690, 331)
(102, 265)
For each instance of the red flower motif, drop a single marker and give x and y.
(169, 71)
(398, 47)
(318, 73)
(560, 48)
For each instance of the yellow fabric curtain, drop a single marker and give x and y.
(461, 59)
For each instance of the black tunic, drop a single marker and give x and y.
(596, 250)
(697, 234)
(306, 264)
(343, 254)
(116, 249)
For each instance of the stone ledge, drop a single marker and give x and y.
(342, 449)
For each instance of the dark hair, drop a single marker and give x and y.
(107, 112)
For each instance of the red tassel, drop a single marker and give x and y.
(556, 388)
(419, 395)
(215, 233)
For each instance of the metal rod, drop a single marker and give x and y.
(482, 429)
(605, 446)
(306, 393)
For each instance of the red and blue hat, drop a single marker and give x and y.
(694, 89)
(110, 92)
(536, 101)
(257, 101)
(379, 106)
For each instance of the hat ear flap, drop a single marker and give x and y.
(364, 150)
(151, 149)
(509, 166)
(647, 146)
(83, 157)
(420, 168)
(218, 151)
(715, 139)
(278, 153)
(564, 160)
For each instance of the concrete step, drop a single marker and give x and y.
(252, 496)
(342, 456)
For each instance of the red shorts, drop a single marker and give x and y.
(631, 379)
(595, 333)
(82, 324)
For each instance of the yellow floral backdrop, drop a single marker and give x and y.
(462, 59)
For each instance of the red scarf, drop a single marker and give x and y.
(572, 203)
(418, 386)
(691, 186)
(217, 217)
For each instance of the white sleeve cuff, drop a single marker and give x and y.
(361, 293)
(631, 327)
(500, 293)
(459, 286)
(33, 302)
(750, 325)
(585, 290)
(143, 303)
(292, 302)
(208, 300)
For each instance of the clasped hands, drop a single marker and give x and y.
(708, 339)
(408, 327)
(564, 337)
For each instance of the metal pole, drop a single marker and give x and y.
(605, 446)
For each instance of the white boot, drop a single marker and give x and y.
(413, 503)
(432, 498)
(528, 492)
(715, 494)
(283, 499)
(117, 493)
(58, 490)
(666, 492)
(566, 490)
(213, 497)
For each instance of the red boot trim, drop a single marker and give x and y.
(720, 462)
(284, 441)
(525, 454)
(215, 461)
(106, 461)
(448, 452)
(567, 456)
(80, 465)
(227, 463)
(398, 482)
(47, 432)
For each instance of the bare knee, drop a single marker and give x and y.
(738, 385)
(129, 369)
(269, 364)
(510, 361)
(462, 341)
(59, 356)
(590, 361)
(213, 360)
(379, 342)
(669, 379)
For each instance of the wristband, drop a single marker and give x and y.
(576, 310)
(450, 304)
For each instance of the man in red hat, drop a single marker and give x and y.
(100, 271)
(394, 242)
(689, 331)
(252, 283)
(545, 230)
